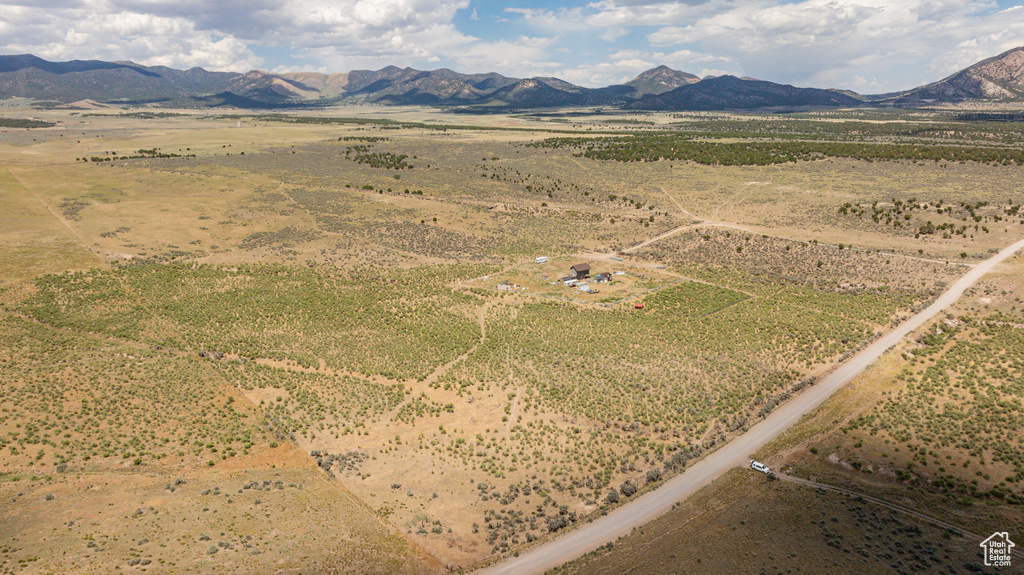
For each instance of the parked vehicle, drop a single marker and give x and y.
(758, 466)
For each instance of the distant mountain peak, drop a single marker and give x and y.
(730, 92)
(1000, 77)
(660, 80)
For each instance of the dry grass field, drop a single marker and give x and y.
(933, 427)
(744, 524)
(941, 425)
(311, 300)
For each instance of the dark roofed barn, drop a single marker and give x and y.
(580, 271)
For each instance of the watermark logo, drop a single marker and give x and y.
(998, 549)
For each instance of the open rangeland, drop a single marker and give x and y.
(910, 466)
(313, 301)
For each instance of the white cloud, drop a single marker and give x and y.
(523, 57)
(705, 72)
(836, 43)
(337, 35)
(604, 73)
(143, 38)
(757, 26)
(289, 69)
(613, 33)
(618, 14)
(561, 19)
(611, 13)
(833, 42)
(685, 58)
(216, 34)
(626, 54)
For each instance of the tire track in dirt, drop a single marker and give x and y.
(514, 411)
(889, 505)
(79, 240)
(481, 317)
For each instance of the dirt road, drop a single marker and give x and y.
(651, 505)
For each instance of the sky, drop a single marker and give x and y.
(870, 46)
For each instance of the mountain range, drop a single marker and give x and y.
(1000, 78)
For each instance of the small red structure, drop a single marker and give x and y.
(638, 306)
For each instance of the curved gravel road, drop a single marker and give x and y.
(621, 521)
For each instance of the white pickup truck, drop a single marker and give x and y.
(758, 466)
